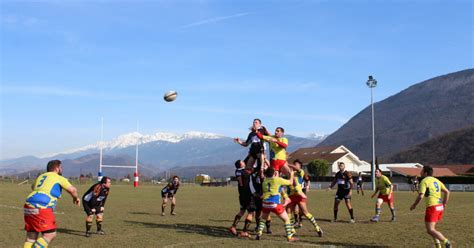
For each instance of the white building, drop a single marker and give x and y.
(332, 154)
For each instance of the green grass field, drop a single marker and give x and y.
(132, 219)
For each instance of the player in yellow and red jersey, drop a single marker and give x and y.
(278, 145)
(272, 186)
(432, 189)
(385, 189)
(41, 203)
(296, 190)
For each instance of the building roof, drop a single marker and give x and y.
(307, 155)
(385, 167)
(437, 172)
(457, 168)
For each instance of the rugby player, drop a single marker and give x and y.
(344, 182)
(278, 145)
(169, 192)
(385, 189)
(41, 203)
(297, 200)
(272, 202)
(360, 182)
(257, 148)
(436, 197)
(246, 199)
(93, 202)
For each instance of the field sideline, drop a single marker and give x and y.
(132, 218)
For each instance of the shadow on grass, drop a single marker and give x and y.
(223, 221)
(70, 232)
(213, 231)
(141, 213)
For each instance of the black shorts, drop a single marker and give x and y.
(90, 209)
(359, 184)
(247, 202)
(165, 195)
(343, 194)
(258, 203)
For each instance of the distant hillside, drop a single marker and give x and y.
(453, 148)
(421, 112)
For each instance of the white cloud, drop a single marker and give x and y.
(214, 20)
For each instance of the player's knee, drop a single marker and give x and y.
(100, 217)
(49, 236)
(89, 218)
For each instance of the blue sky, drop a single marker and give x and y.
(297, 64)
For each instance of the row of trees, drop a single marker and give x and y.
(318, 167)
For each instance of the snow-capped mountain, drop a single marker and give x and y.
(131, 139)
(317, 136)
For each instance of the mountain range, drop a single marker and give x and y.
(157, 152)
(415, 115)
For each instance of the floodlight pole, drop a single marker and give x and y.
(372, 83)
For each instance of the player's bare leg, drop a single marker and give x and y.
(336, 209)
(304, 209)
(248, 222)
(173, 205)
(238, 216)
(163, 205)
(431, 230)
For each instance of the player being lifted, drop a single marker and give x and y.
(93, 202)
(256, 150)
(40, 205)
(272, 186)
(436, 197)
(385, 189)
(246, 199)
(278, 145)
(169, 192)
(296, 191)
(343, 179)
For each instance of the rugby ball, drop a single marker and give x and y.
(170, 96)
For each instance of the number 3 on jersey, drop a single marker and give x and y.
(41, 182)
(436, 186)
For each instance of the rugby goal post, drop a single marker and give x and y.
(102, 165)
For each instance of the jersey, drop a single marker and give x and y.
(277, 149)
(298, 188)
(431, 187)
(96, 195)
(46, 191)
(342, 180)
(256, 144)
(244, 175)
(170, 189)
(383, 185)
(272, 187)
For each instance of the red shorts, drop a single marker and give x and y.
(385, 198)
(295, 199)
(39, 220)
(268, 207)
(277, 164)
(434, 213)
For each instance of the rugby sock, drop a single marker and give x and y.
(88, 226)
(295, 218)
(300, 217)
(28, 243)
(268, 223)
(257, 220)
(163, 208)
(247, 225)
(289, 229)
(446, 241)
(236, 220)
(313, 221)
(437, 243)
(393, 212)
(335, 214)
(99, 225)
(351, 212)
(377, 211)
(261, 225)
(40, 243)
